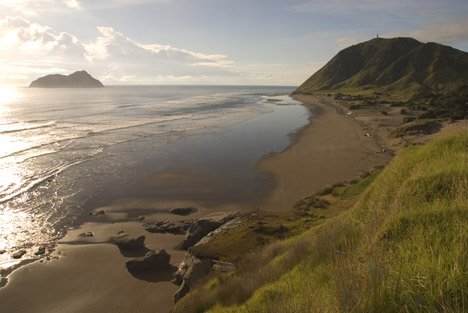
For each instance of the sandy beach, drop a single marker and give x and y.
(332, 148)
(89, 275)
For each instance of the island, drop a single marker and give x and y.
(79, 79)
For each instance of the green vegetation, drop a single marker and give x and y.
(359, 187)
(398, 68)
(418, 126)
(397, 242)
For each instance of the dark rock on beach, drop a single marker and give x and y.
(18, 254)
(190, 271)
(194, 229)
(182, 291)
(153, 260)
(87, 234)
(128, 246)
(201, 227)
(97, 213)
(40, 251)
(171, 227)
(124, 243)
(182, 211)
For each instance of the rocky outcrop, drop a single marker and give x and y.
(40, 250)
(182, 211)
(224, 267)
(18, 254)
(152, 261)
(171, 227)
(202, 227)
(190, 271)
(193, 268)
(194, 229)
(97, 213)
(197, 231)
(125, 243)
(232, 224)
(80, 79)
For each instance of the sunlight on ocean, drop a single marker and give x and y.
(59, 148)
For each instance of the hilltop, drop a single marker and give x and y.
(79, 79)
(402, 68)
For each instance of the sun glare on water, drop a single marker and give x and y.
(8, 95)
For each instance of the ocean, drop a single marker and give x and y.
(64, 152)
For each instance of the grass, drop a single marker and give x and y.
(360, 186)
(401, 67)
(418, 126)
(400, 245)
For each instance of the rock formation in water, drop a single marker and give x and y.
(80, 79)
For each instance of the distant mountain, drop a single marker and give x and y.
(401, 67)
(80, 79)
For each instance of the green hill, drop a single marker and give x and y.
(401, 246)
(400, 67)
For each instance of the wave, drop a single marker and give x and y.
(25, 128)
(94, 133)
(33, 181)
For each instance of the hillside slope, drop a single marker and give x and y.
(402, 247)
(401, 67)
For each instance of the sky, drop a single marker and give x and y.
(229, 42)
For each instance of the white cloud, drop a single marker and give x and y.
(28, 50)
(34, 7)
(128, 57)
(21, 39)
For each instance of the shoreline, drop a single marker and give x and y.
(101, 261)
(332, 148)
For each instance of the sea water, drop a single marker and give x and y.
(60, 149)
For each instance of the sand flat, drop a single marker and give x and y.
(87, 278)
(331, 149)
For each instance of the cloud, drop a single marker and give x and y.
(20, 39)
(34, 7)
(447, 33)
(123, 56)
(29, 49)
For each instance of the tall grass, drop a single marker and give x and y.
(403, 247)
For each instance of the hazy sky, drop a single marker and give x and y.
(273, 42)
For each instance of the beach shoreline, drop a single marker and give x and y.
(319, 160)
(332, 148)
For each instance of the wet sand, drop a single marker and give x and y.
(90, 276)
(332, 148)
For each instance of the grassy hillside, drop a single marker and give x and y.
(401, 246)
(403, 68)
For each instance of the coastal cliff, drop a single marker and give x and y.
(79, 79)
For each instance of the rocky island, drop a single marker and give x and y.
(79, 79)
